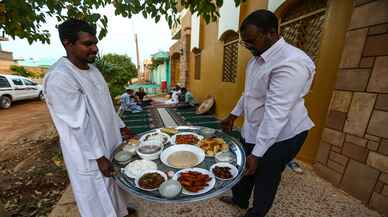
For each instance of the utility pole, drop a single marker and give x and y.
(137, 57)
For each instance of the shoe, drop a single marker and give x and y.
(229, 200)
(131, 211)
(294, 166)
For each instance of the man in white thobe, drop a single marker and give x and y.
(276, 121)
(83, 113)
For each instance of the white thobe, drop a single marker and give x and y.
(272, 102)
(89, 128)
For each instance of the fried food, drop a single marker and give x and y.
(194, 181)
(186, 139)
(170, 131)
(222, 172)
(212, 146)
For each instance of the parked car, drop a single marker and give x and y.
(15, 88)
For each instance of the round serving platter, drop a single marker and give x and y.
(220, 186)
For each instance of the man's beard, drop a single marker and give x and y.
(91, 59)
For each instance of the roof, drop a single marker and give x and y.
(161, 55)
(43, 62)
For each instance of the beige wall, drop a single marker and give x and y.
(226, 93)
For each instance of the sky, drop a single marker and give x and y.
(152, 38)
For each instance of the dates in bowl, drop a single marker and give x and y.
(224, 171)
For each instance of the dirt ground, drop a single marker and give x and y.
(32, 174)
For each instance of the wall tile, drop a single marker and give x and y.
(380, 203)
(378, 124)
(356, 140)
(341, 101)
(367, 62)
(327, 173)
(333, 137)
(379, 29)
(353, 79)
(382, 102)
(323, 152)
(362, 16)
(359, 180)
(372, 145)
(354, 44)
(359, 113)
(376, 45)
(338, 158)
(384, 147)
(355, 152)
(378, 81)
(336, 120)
(378, 161)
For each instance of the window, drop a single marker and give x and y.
(17, 81)
(197, 64)
(230, 57)
(28, 82)
(4, 82)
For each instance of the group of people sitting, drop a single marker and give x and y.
(181, 97)
(133, 102)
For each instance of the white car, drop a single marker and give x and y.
(15, 88)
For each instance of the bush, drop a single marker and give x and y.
(117, 70)
(20, 70)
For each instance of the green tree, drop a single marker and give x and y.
(26, 18)
(20, 70)
(117, 70)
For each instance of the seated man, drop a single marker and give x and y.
(186, 98)
(141, 97)
(128, 102)
(174, 96)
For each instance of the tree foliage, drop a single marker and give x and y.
(117, 71)
(26, 18)
(20, 70)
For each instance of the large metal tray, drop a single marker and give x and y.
(220, 187)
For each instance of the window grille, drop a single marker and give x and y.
(230, 61)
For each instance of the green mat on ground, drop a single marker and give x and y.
(139, 129)
(136, 122)
(200, 119)
(186, 109)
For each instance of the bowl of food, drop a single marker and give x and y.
(150, 180)
(207, 132)
(131, 146)
(122, 157)
(224, 157)
(182, 156)
(170, 188)
(224, 171)
(150, 150)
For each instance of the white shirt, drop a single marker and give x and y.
(272, 102)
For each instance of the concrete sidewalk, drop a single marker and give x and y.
(304, 195)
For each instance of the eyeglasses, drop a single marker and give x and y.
(250, 44)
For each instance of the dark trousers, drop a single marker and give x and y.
(267, 177)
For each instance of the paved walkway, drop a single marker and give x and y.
(299, 195)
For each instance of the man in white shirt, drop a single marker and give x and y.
(89, 129)
(276, 121)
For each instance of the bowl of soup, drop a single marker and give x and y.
(150, 150)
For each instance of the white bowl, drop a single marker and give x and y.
(137, 167)
(170, 188)
(233, 170)
(207, 188)
(123, 157)
(175, 148)
(152, 155)
(207, 132)
(224, 156)
(150, 171)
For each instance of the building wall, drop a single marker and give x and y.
(210, 82)
(6, 60)
(353, 151)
